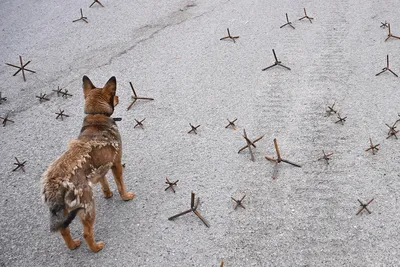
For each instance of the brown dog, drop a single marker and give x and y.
(67, 183)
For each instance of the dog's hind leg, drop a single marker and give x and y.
(87, 219)
(66, 234)
(105, 187)
(71, 243)
(119, 180)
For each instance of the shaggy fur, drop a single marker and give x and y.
(67, 183)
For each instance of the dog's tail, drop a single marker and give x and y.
(58, 220)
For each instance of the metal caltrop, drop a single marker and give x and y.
(193, 208)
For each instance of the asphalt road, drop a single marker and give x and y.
(171, 51)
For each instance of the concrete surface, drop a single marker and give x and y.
(170, 50)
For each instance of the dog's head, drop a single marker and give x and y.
(100, 100)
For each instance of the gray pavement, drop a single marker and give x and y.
(170, 50)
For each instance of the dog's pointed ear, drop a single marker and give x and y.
(110, 87)
(87, 85)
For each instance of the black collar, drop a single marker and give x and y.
(105, 114)
(99, 113)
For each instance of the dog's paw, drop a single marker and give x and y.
(99, 246)
(128, 196)
(75, 243)
(108, 193)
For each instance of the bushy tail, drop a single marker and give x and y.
(58, 220)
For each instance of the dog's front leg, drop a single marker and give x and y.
(105, 187)
(119, 180)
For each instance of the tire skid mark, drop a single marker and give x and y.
(320, 194)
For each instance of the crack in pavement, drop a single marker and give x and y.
(174, 19)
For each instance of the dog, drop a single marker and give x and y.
(67, 183)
